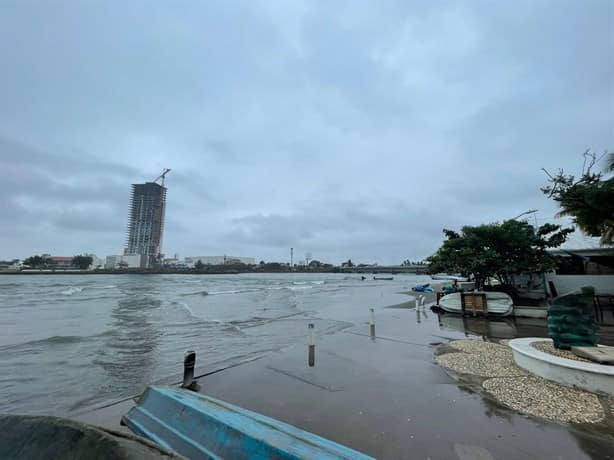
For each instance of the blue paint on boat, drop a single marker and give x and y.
(201, 427)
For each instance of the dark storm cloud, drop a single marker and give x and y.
(346, 130)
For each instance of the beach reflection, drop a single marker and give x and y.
(494, 328)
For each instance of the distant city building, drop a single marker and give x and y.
(146, 221)
(174, 263)
(10, 264)
(111, 262)
(126, 261)
(61, 262)
(97, 262)
(219, 260)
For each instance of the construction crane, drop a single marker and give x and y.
(165, 171)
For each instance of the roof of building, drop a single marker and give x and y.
(578, 240)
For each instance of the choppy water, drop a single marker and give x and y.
(69, 341)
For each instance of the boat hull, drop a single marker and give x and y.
(201, 427)
(498, 303)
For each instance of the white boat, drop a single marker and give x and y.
(498, 303)
(446, 277)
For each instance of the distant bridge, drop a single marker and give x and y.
(393, 269)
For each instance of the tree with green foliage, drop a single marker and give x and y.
(199, 265)
(82, 262)
(589, 199)
(36, 261)
(498, 250)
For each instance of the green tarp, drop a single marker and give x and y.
(571, 320)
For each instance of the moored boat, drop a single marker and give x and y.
(498, 303)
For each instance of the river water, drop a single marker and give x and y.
(72, 341)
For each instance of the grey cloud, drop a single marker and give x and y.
(349, 130)
(344, 227)
(89, 221)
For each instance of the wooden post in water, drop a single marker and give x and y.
(372, 323)
(189, 362)
(312, 346)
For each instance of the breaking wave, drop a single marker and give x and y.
(72, 290)
(55, 340)
(196, 293)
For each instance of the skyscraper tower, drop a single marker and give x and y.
(146, 220)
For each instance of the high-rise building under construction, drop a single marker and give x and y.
(146, 221)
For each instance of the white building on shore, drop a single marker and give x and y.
(126, 261)
(219, 260)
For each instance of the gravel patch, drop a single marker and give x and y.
(542, 398)
(477, 346)
(483, 365)
(517, 388)
(548, 347)
(485, 351)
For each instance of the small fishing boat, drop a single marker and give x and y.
(383, 278)
(497, 303)
(200, 427)
(422, 288)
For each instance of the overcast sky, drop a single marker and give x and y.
(345, 129)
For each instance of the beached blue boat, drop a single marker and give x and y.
(201, 427)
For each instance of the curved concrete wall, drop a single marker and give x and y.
(598, 378)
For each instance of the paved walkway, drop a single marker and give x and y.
(387, 398)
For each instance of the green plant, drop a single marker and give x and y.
(588, 200)
(498, 250)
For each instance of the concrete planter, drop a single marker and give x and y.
(597, 378)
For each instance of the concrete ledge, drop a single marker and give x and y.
(530, 312)
(597, 378)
